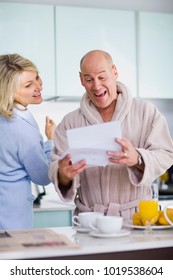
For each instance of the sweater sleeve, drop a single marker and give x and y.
(48, 147)
(35, 155)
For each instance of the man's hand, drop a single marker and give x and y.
(128, 156)
(67, 171)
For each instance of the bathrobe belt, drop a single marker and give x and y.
(111, 209)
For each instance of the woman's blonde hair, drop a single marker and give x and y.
(11, 67)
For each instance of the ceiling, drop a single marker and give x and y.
(136, 5)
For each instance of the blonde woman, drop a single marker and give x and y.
(24, 157)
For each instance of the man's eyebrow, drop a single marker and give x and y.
(101, 72)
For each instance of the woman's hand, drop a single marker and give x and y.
(50, 127)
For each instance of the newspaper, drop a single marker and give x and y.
(35, 239)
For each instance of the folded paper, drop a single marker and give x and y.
(91, 143)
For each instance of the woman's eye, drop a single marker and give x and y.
(27, 86)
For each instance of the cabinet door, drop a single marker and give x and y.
(29, 31)
(56, 218)
(79, 30)
(155, 38)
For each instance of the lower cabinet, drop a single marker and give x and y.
(52, 218)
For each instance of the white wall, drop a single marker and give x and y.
(54, 110)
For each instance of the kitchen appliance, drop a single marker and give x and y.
(166, 185)
(39, 192)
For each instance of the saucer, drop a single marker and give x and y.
(120, 233)
(81, 229)
(131, 225)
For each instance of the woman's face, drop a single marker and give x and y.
(29, 88)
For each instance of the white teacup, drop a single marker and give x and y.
(108, 224)
(169, 205)
(85, 219)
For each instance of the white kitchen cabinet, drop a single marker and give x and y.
(79, 30)
(29, 30)
(155, 55)
(52, 211)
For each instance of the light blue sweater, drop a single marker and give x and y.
(24, 158)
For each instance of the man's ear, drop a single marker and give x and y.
(114, 71)
(81, 77)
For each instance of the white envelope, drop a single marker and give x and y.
(92, 142)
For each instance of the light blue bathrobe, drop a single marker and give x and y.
(24, 157)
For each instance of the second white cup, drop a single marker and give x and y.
(108, 224)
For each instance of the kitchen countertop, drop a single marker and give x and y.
(49, 204)
(53, 205)
(137, 245)
(51, 201)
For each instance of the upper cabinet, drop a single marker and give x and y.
(29, 31)
(79, 30)
(155, 55)
(55, 38)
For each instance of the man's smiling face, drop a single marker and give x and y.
(99, 76)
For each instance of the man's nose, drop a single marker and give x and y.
(96, 84)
